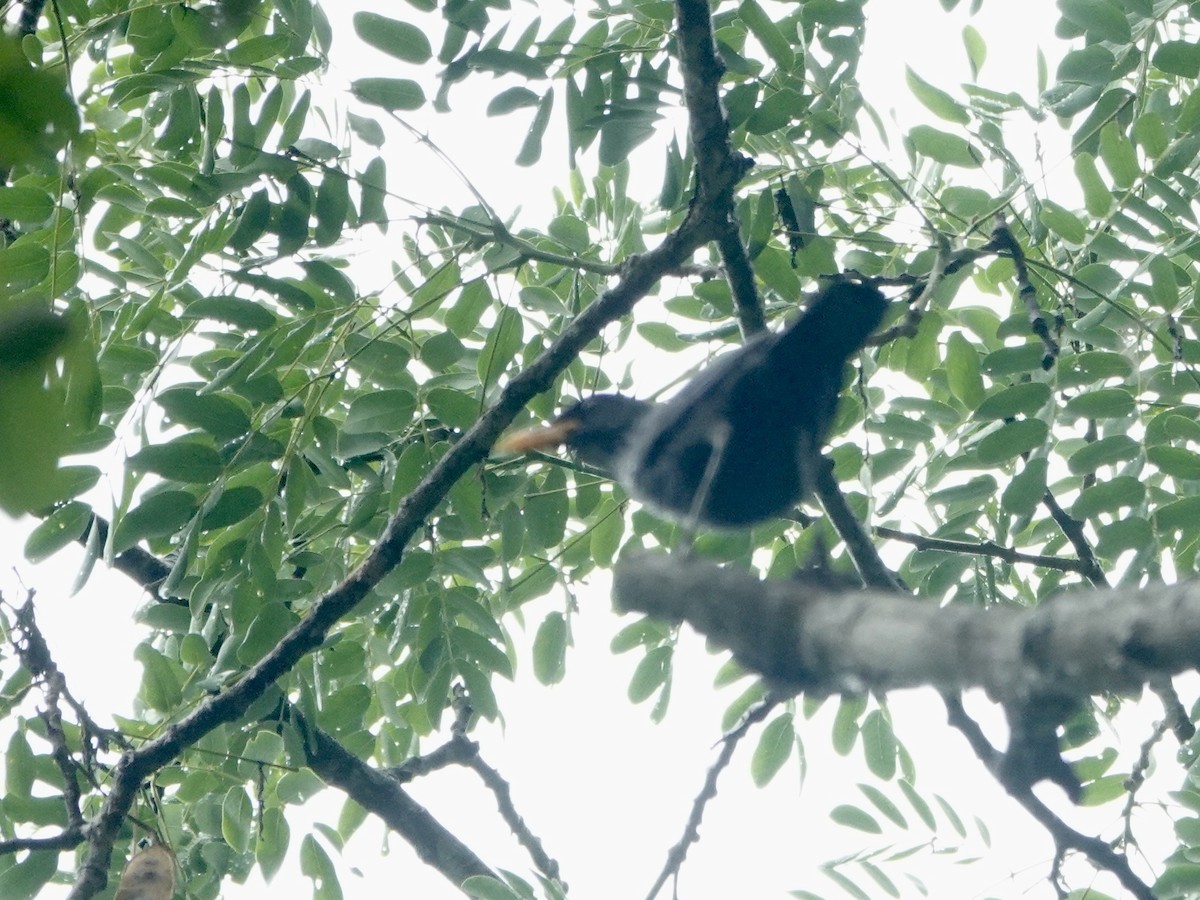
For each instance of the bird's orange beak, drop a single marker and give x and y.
(544, 438)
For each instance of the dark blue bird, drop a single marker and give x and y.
(740, 442)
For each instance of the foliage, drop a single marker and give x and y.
(180, 283)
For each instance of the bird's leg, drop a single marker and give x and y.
(719, 440)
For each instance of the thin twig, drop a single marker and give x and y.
(981, 548)
(1072, 529)
(691, 831)
(1003, 239)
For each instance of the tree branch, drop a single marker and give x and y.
(382, 794)
(981, 548)
(719, 170)
(1003, 239)
(1101, 855)
(718, 165)
(866, 558)
(806, 636)
(691, 831)
(1072, 529)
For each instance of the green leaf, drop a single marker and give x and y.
(25, 880)
(976, 49)
(606, 536)
(272, 844)
(37, 114)
(651, 673)
(881, 802)
(223, 415)
(1164, 286)
(1103, 790)
(1150, 132)
(1010, 440)
(1118, 155)
(775, 746)
(917, 802)
(237, 819)
(503, 341)
(1180, 58)
(516, 97)
(331, 208)
(493, 59)
(1175, 461)
(951, 816)
(546, 512)
(159, 515)
(1097, 198)
(62, 527)
(962, 370)
(550, 649)
(531, 147)
(396, 94)
(160, 689)
(1018, 400)
(845, 723)
(1103, 403)
(19, 766)
(943, 147)
(1104, 452)
(1063, 222)
(402, 40)
(1109, 496)
(935, 99)
(484, 887)
(183, 459)
(1025, 491)
(25, 204)
(778, 47)
(388, 411)
(252, 222)
(1101, 20)
(879, 745)
(1091, 65)
(622, 132)
(853, 817)
(316, 864)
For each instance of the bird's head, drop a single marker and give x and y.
(595, 429)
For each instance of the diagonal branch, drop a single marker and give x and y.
(719, 170)
(1101, 855)
(1073, 530)
(691, 831)
(377, 791)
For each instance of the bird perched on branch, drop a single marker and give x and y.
(740, 442)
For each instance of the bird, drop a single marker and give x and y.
(739, 443)
(149, 875)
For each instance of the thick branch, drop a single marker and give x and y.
(381, 794)
(808, 637)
